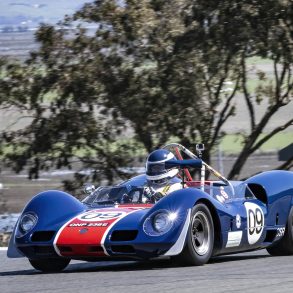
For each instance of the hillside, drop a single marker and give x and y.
(16, 14)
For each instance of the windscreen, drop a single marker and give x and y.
(107, 195)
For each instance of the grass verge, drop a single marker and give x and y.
(232, 143)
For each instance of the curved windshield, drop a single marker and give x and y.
(117, 195)
(138, 190)
(135, 190)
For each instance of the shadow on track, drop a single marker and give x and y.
(235, 257)
(19, 273)
(133, 265)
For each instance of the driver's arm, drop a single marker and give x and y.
(152, 195)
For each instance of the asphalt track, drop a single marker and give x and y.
(246, 272)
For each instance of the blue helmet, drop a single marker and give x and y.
(155, 166)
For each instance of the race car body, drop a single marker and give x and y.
(200, 220)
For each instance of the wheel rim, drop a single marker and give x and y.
(200, 230)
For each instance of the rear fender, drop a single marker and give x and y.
(276, 184)
(184, 199)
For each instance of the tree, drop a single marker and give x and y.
(263, 29)
(193, 48)
(62, 131)
(158, 67)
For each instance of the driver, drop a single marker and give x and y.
(160, 180)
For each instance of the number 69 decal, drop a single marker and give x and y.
(97, 216)
(255, 222)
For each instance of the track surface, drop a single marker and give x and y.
(246, 272)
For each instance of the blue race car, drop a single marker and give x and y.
(190, 225)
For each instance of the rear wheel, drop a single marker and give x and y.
(200, 237)
(50, 264)
(285, 245)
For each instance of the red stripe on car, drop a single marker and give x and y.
(85, 234)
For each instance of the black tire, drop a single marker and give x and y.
(50, 265)
(285, 245)
(200, 238)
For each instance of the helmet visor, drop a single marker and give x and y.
(155, 169)
(159, 182)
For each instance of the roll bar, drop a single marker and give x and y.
(204, 164)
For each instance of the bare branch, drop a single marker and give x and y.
(220, 85)
(286, 166)
(214, 102)
(277, 94)
(270, 135)
(283, 74)
(20, 106)
(17, 120)
(223, 114)
(249, 146)
(246, 93)
(290, 84)
(263, 122)
(208, 86)
(279, 79)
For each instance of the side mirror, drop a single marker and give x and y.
(88, 188)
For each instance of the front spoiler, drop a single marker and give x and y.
(134, 251)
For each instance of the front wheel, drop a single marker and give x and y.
(50, 264)
(200, 237)
(285, 245)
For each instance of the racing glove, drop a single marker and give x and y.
(152, 195)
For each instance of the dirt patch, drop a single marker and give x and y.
(18, 189)
(4, 239)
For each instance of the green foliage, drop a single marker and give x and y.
(159, 68)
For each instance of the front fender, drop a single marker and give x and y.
(12, 251)
(53, 208)
(181, 202)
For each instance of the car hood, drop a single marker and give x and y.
(93, 226)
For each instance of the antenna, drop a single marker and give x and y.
(199, 149)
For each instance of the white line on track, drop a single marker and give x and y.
(3, 248)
